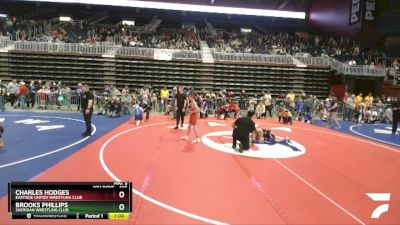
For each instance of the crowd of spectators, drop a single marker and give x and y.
(223, 104)
(56, 31)
(343, 49)
(305, 43)
(36, 94)
(83, 32)
(185, 39)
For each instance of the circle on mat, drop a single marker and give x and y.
(219, 141)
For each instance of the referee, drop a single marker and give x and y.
(87, 103)
(242, 128)
(396, 114)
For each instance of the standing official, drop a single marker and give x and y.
(87, 103)
(396, 114)
(180, 104)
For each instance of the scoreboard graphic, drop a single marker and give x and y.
(70, 200)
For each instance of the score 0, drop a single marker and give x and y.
(121, 195)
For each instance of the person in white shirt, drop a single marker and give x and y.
(12, 88)
(350, 107)
(267, 100)
(260, 110)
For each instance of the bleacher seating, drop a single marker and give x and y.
(136, 73)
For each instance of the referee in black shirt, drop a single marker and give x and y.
(242, 128)
(180, 103)
(87, 103)
(396, 114)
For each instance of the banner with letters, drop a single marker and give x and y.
(370, 10)
(356, 11)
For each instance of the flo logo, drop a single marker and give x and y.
(222, 141)
(380, 197)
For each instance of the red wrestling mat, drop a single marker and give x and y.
(323, 177)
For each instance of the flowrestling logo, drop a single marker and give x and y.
(222, 141)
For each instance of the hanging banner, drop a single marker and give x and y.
(163, 54)
(355, 11)
(370, 10)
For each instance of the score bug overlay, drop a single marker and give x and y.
(70, 200)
